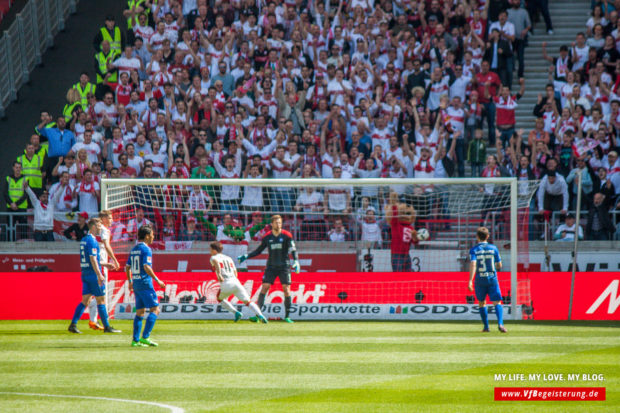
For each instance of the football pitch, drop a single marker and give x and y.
(220, 366)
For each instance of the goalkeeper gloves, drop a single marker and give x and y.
(242, 258)
(296, 267)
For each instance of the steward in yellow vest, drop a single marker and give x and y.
(103, 64)
(84, 87)
(32, 166)
(15, 196)
(112, 33)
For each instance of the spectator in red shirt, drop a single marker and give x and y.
(125, 170)
(506, 105)
(487, 83)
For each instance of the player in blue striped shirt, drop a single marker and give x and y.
(93, 281)
(484, 263)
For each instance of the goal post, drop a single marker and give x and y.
(340, 224)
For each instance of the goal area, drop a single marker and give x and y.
(340, 226)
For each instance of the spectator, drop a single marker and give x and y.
(522, 25)
(15, 196)
(599, 226)
(566, 231)
(311, 203)
(32, 165)
(67, 201)
(338, 233)
(93, 150)
(110, 33)
(125, 170)
(43, 213)
(604, 185)
(586, 183)
(199, 199)
(506, 105)
(78, 230)
(487, 83)
(134, 224)
(88, 194)
(553, 193)
(477, 153)
(543, 5)
(191, 232)
(229, 196)
(371, 230)
(338, 198)
(60, 141)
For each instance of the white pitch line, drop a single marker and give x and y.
(173, 409)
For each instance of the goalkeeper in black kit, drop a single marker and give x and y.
(280, 244)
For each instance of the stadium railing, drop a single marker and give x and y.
(25, 41)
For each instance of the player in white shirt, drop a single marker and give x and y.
(226, 274)
(105, 253)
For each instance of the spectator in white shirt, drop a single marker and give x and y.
(43, 213)
(67, 202)
(338, 233)
(553, 193)
(566, 231)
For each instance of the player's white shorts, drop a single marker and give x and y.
(233, 287)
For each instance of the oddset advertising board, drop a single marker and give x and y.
(319, 296)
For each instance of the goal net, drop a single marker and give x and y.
(339, 225)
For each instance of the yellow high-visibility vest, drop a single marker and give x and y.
(31, 169)
(89, 88)
(133, 4)
(16, 191)
(103, 60)
(115, 44)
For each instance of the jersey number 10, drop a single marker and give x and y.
(135, 266)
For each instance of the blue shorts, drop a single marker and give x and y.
(146, 299)
(488, 286)
(91, 286)
(401, 263)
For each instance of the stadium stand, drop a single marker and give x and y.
(181, 89)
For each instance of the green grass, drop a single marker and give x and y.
(303, 367)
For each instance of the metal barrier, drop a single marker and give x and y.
(25, 41)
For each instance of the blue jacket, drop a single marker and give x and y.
(60, 143)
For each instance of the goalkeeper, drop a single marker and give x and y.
(280, 244)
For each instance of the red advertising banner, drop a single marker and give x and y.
(57, 294)
(597, 295)
(172, 262)
(33, 295)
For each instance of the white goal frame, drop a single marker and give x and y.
(267, 182)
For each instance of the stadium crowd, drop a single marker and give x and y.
(335, 89)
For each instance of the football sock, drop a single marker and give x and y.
(148, 326)
(79, 310)
(287, 306)
(255, 308)
(499, 311)
(92, 310)
(137, 327)
(103, 313)
(261, 300)
(228, 306)
(484, 315)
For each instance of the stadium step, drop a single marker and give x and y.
(568, 17)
